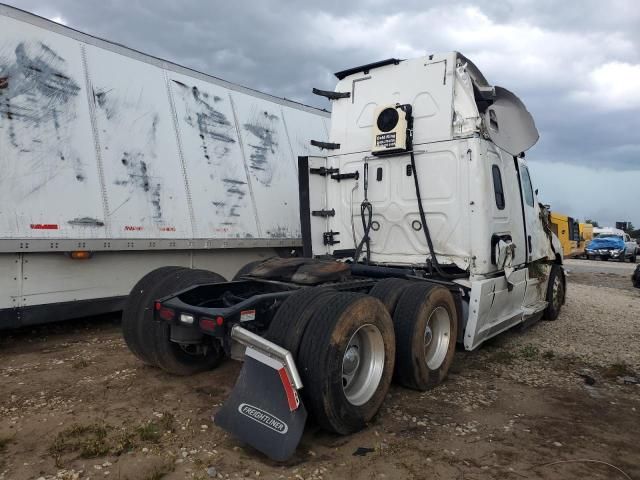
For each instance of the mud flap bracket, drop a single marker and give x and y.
(264, 409)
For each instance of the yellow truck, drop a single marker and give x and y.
(586, 234)
(573, 235)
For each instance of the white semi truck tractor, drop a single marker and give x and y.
(421, 229)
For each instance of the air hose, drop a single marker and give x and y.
(366, 215)
(433, 261)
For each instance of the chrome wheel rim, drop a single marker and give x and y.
(363, 364)
(437, 336)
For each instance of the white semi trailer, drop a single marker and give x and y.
(421, 229)
(114, 163)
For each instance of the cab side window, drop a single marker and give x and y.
(497, 187)
(526, 186)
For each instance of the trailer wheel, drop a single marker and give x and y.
(137, 313)
(177, 358)
(555, 293)
(388, 291)
(246, 269)
(292, 318)
(426, 323)
(346, 361)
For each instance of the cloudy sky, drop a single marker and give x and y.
(575, 64)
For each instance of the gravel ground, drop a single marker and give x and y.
(532, 403)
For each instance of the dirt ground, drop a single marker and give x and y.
(548, 402)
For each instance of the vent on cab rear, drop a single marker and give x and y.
(392, 126)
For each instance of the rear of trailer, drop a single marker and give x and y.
(114, 163)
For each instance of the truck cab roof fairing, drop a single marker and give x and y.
(509, 124)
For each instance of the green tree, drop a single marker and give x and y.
(592, 222)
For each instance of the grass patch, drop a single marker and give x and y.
(548, 355)
(529, 352)
(503, 356)
(96, 440)
(89, 440)
(153, 430)
(123, 442)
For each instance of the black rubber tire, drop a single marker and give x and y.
(321, 356)
(635, 278)
(388, 291)
(634, 257)
(170, 356)
(622, 257)
(246, 269)
(410, 320)
(290, 321)
(137, 311)
(552, 312)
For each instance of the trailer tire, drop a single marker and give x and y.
(556, 291)
(388, 291)
(246, 269)
(173, 357)
(292, 318)
(353, 328)
(426, 313)
(137, 310)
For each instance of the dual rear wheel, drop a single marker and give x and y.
(150, 340)
(349, 346)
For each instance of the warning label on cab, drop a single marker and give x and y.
(386, 140)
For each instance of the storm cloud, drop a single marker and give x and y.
(576, 65)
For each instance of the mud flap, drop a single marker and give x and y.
(264, 409)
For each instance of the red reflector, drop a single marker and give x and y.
(219, 321)
(207, 324)
(44, 226)
(166, 313)
(157, 306)
(292, 395)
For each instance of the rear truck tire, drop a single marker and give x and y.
(246, 269)
(635, 278)
(623, 256)
(346, 361)
(388, 291)
(556, 291)
(138, 313)
(183, 359)
(426, 324)
(634, 257)
(292, 318)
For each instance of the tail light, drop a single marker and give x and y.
(210, 324)
(166, 313)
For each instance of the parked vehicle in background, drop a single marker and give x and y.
(586, 235)
(612, 243)
(114, 163)
(568, 232)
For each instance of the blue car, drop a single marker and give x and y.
(612, 245)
